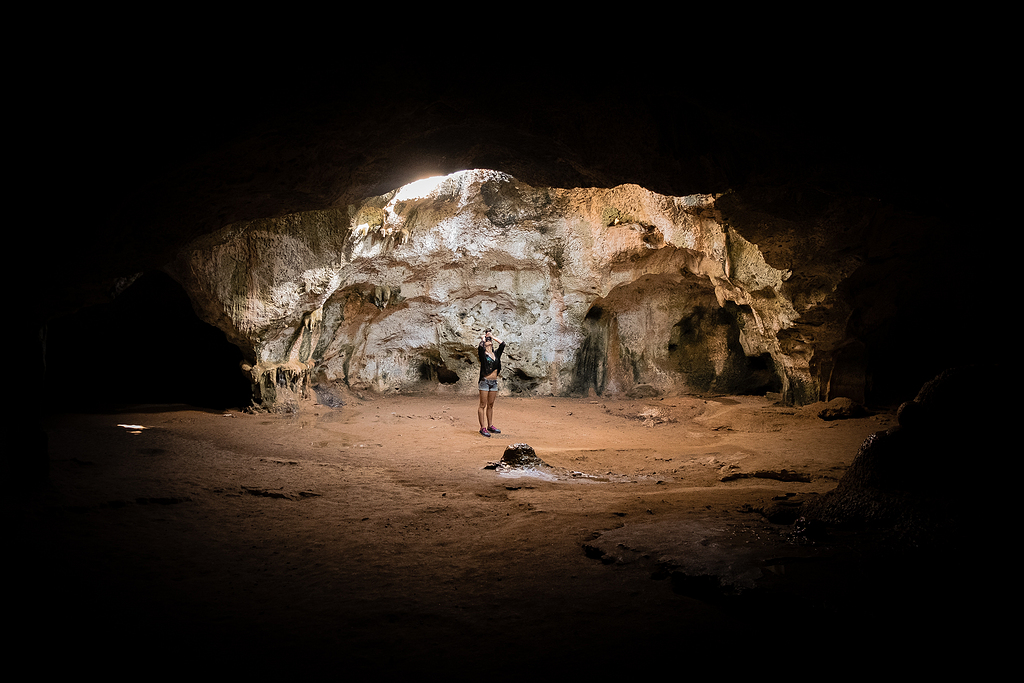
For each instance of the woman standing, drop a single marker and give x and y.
(490, 366)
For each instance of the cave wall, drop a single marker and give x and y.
(861, 207)
(594, 290)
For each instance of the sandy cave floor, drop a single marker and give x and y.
(373, 537)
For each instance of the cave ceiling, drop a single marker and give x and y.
(804, 168)
(168, 163)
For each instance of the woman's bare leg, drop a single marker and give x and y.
(482, 410)
(491, 395)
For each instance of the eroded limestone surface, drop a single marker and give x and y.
(593, 290)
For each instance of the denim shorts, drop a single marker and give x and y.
(488, 385)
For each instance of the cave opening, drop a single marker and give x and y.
(145, 346)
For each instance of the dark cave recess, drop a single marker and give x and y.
(146, 346)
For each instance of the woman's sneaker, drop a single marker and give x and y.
(484, 432)
(494, 430)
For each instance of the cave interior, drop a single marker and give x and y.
(786, 157)
(115, 329)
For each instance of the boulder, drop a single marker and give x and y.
(908, 479)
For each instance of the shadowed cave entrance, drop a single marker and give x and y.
(146, 346)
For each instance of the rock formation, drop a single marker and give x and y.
(908, 479)
(794, 238)
(594, 290)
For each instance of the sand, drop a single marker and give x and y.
(373, 538)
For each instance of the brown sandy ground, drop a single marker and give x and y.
(371, 538)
